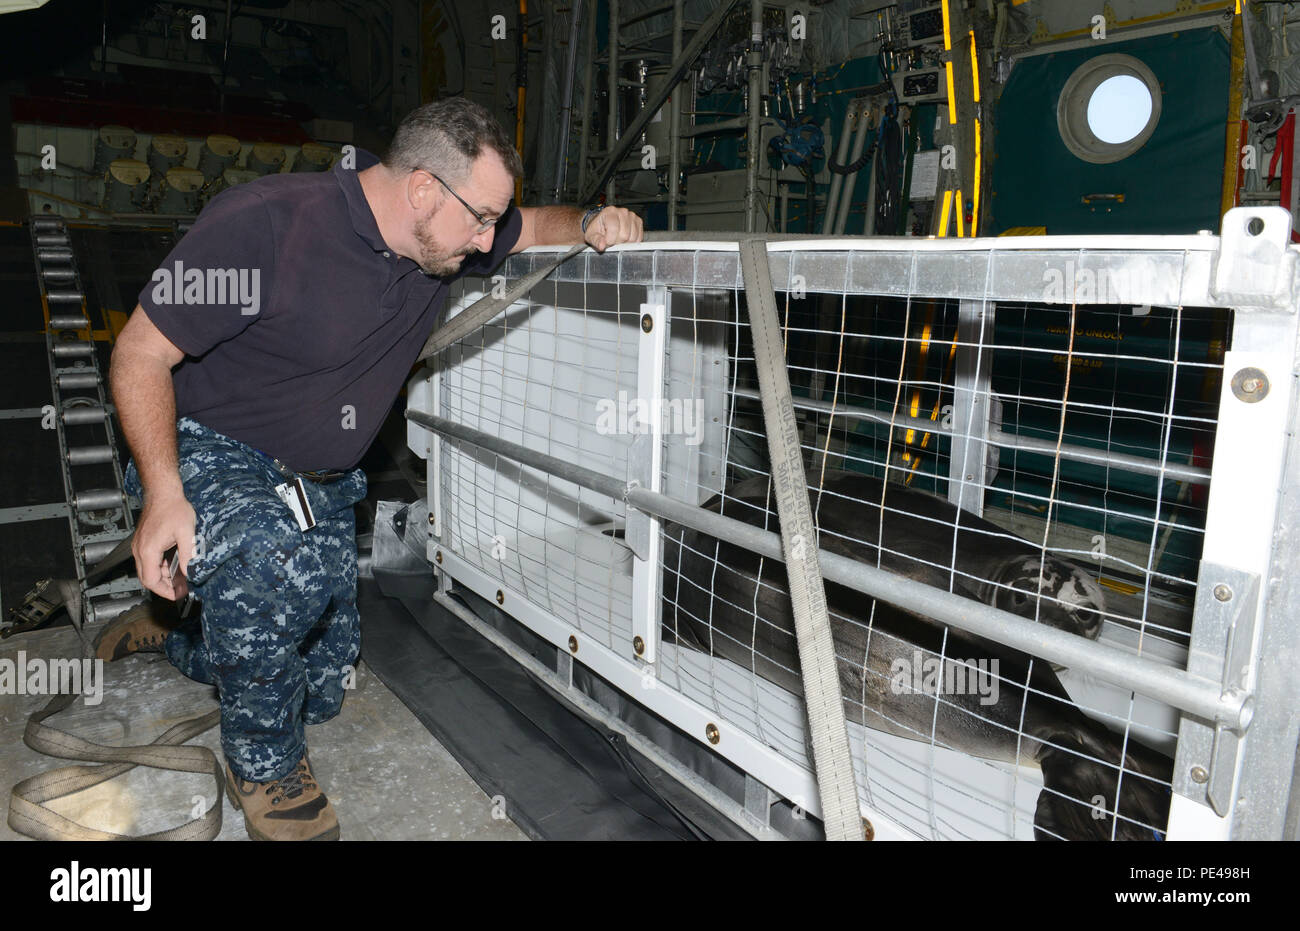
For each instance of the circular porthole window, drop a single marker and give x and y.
(1109, 108)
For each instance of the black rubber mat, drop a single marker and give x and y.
(562, 776)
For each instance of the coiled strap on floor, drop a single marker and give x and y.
(28, 815)
(27, 812)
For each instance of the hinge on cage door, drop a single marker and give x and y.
(1223, 630)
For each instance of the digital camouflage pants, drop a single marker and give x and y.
(279, 632)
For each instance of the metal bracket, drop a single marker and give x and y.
(1255, 266)
(636, 532)
(1222, 635)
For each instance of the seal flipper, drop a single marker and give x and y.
(1080, 774)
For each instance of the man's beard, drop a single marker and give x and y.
(434, 261)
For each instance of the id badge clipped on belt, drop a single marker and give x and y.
(294, 495)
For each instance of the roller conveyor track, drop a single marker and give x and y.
(98, 516)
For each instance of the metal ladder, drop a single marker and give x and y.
(98, 518)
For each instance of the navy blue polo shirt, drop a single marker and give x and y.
(299, 324)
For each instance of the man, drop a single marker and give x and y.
(280, 330)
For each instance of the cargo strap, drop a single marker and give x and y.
(27, 812)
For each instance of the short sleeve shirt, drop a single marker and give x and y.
(298, 322)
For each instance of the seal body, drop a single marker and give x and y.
(972, 695)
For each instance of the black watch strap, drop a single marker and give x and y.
(590, 215)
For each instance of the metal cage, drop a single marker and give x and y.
(1071, 456)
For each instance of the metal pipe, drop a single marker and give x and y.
(98, 499)
(1252, 64)
(675, 124)
(73, 348)
(74, 416)
(566, 112)
(588, 90)
(92, 553)
(1163, 683)
(841, 158)
(611, 129)
(1029, 444)
(79, 379)
(717, 126)
(109, 607)
(89, 455)
(850, 181)
(755, 64)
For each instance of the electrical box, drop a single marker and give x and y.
(922, 22)
(924, 85)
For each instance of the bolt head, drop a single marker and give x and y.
(1222, 592)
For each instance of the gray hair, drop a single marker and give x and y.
(446, 136)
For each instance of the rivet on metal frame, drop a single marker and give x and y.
(437, 557)
(868, 831)
(501, 597)
(573, 644)
(639, 645)
(430, 520)
(1199, 775)
(1250, 385)
(711, 731)
(647, 323)
(1222, 593)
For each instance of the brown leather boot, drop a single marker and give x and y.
(141, 629)
(289, 808)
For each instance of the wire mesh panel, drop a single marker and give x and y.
(1032, 430)
(558, 376)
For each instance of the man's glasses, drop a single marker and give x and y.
(484, 224)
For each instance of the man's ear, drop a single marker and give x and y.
(420, 191)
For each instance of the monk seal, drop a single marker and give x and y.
(724, 600)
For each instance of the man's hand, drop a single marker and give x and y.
(165, 522)
(612, 226)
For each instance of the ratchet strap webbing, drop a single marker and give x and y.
(821, 683)
(27, 812)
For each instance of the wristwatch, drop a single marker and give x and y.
(589, 215)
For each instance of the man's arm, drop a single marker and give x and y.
(562, 226)
(141, 382)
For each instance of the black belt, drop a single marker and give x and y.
(323, 476)
(320, 476)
